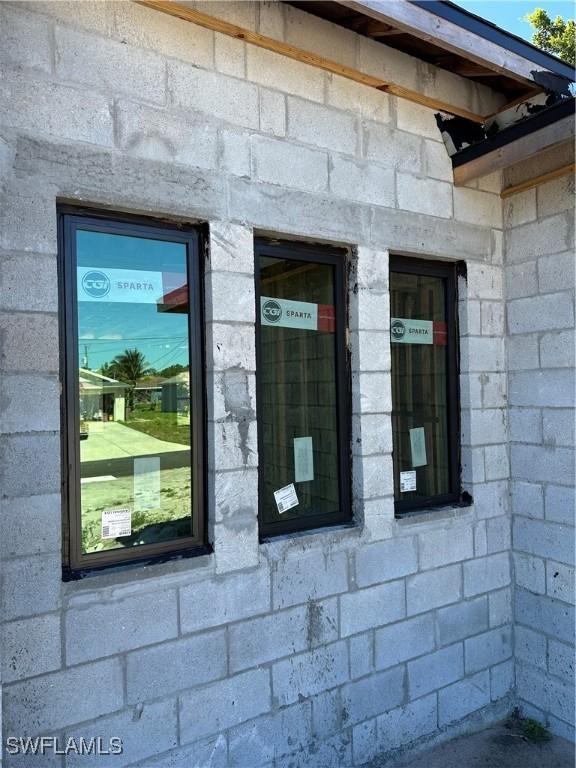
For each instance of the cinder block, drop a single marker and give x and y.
(170, 667)
(522, 352)
(20, 585)
(236, 543)
(29, 283)
(30, 525)
(375, 393)
(371, 607)
(527, 499)
(432, 589)
(560, 504)
(361, 181)
(327, 714)
(445, 546)
(235, 444)
(123, 625)
(435, 670)
(520, 208)
(407, 724)
(488, 649)
(231, 247)
(404, 640)
(313, 34)
(429, 196)
(363, 100)
(311, 576)
(332, 753)
(521, 280)
(498, 534)
(29, 105)
(531, 240)
(290, 165)
(496, 462)
(26, 40)
(27, 402)
(543, 613)
(387, 63)
(361, 650)
(322, 126)
(272, 111)
(415, 118)
(487, 426)
(475, 207)
(558, 427)
(437, 164)
(370, 350)
(231, 346)
(166, 35)
(372, 435)
(213, 94)
(223, 600)
(561, 660)
(371, 273)
(557, 349)
(110, 66)
(501, 679)
(310, 673)
(560, 581)
(397, 149)
(556, 273)
(491, 499)
(494, 390)
(31, 647)
(271, 737)
(158, 135)
(52, 694)
(500, 607)
(386, 560)
(152, 730)
(92, 14)
(20, 349)
(483, 354)
(466, 696)
(282, 74)
(492, 318)
(556, 195)
(230, 55)
(530, 647)
(364, 742)
(529, 573)
(484, 281)
(373, 478)
(281, 634)
(486, 573)
(462, 620)
(541, 313)
(373, 695)
(224, 704)
(230, 297)
(235, 152)
(542, 463)
(525, 425)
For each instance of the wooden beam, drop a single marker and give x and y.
(520, 149)
(313, 59)
(537, 180)
(433, 29)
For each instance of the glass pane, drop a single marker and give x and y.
(298, 390)
(133, 389)
(419, 386)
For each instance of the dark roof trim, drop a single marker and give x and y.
(562, 109)
(483, 28)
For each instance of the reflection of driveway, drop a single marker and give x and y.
(110, 440)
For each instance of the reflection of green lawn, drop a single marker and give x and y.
(119, 494)
(165, 426)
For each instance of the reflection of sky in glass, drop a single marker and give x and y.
(108, 328)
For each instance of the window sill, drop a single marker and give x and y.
(431, 515)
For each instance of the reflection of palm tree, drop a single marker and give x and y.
(129, 367)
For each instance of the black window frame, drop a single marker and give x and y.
(338, 258)
(76, 565)
(449, 271)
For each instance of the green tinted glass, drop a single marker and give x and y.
(133, 391)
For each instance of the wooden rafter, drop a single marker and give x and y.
(557, 173)
(306, 57)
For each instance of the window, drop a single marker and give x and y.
(303, 390)
(134, 417)
(425, 409)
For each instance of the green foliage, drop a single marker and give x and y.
(556, 36)
(534, 731)
(172, 370)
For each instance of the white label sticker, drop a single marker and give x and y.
(288, 314)
(116, 523)
(303, 459)
(286, 498)
(146, 483)
(404, 331)
(418, 447)
(407, 481)
(122, 285)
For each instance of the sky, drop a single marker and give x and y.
(509, 14)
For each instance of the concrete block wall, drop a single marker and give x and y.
(318, 650)
(539, 276)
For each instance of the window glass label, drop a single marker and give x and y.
(116, 523)
(405, 331)
(418, 447)
(286, 498)
(407, 481)
(288, 314)
(135, 286)
(303, 459)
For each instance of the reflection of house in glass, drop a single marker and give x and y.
(101, 398)
(149, 390)
(176, 393)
